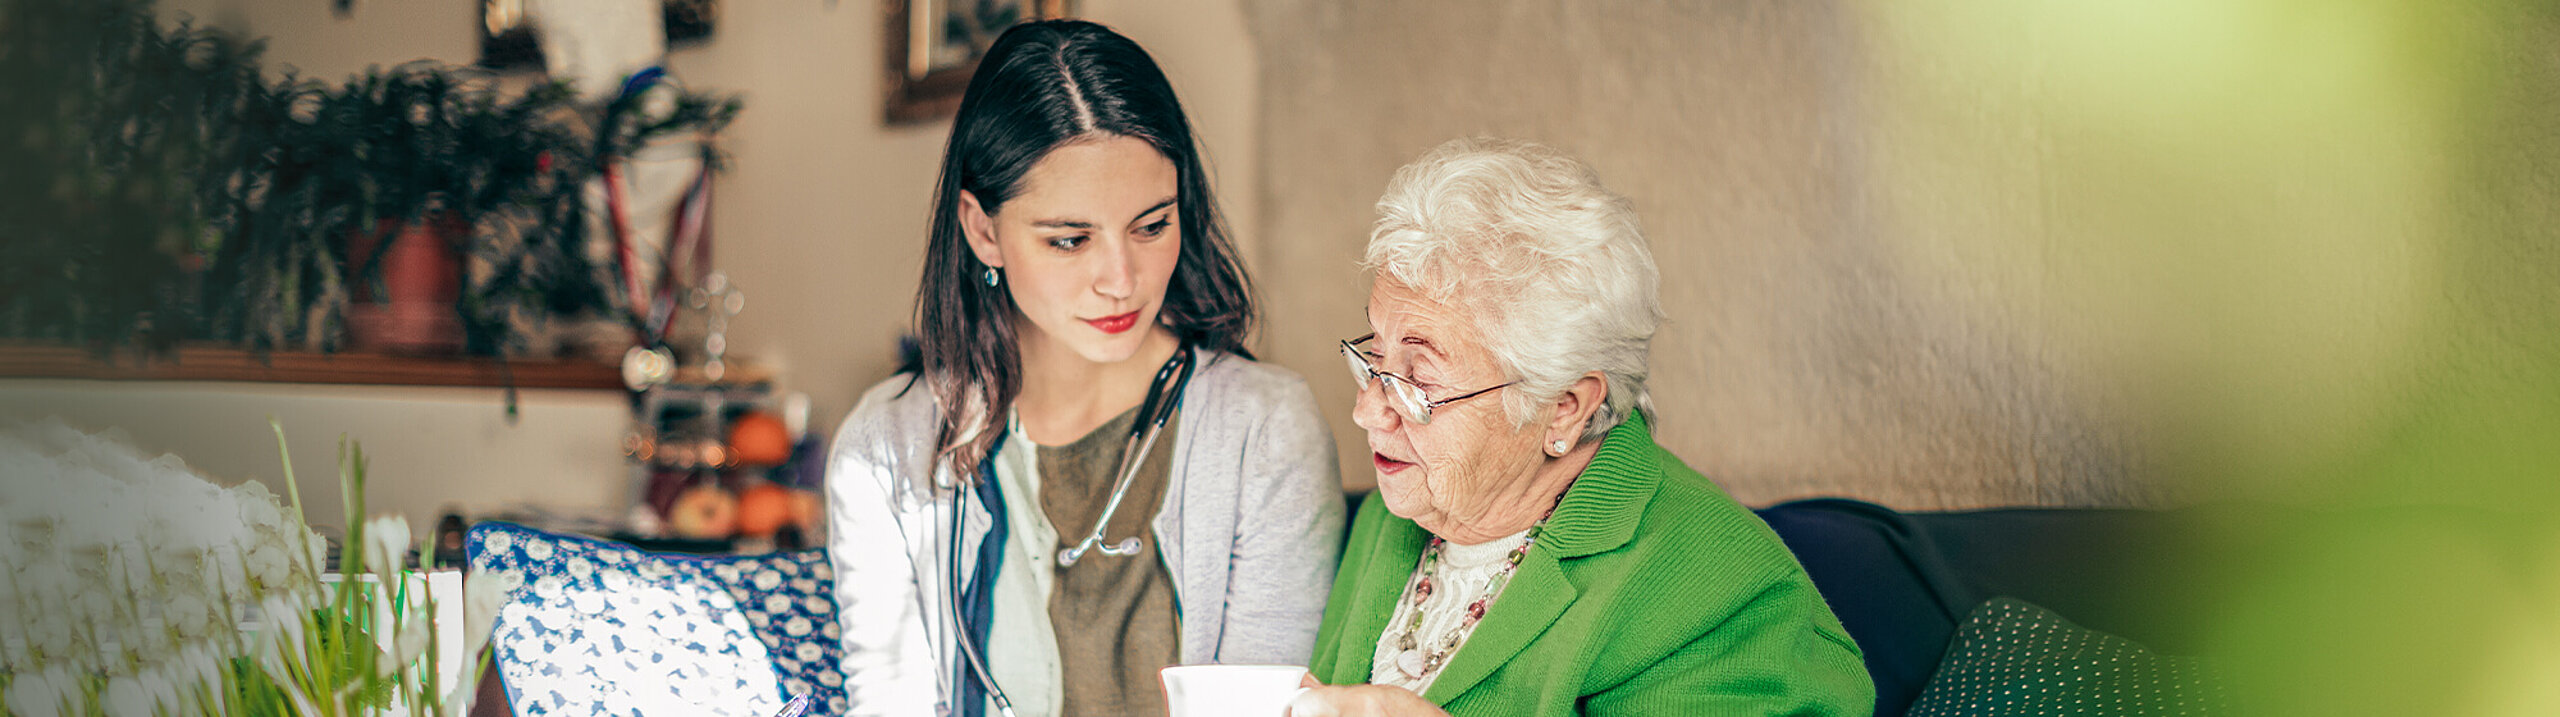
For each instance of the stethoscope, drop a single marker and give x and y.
(1152, 414)
(1151, 417)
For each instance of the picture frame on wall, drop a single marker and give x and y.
(509, 38)
(934, 46)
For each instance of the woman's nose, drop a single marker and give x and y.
(1117, 278)
(1369, 407)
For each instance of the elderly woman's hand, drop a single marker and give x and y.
(1321, 700)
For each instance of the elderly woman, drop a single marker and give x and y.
(1537, 552)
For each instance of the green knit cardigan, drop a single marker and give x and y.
(1650, 592)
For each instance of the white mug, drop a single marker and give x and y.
(1231, 690)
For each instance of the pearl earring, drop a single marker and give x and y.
(993, 277)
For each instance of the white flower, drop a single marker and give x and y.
(51, 637)
(122, 575)
(386, 629)
(269, 563)
(537, 550)
(191, 616)
(484, 594)
(415, 631)
(258, 508)
(41, 694)
(313, 551)
(386, 544)
(126, 697)
(198, 665)
(162, 687)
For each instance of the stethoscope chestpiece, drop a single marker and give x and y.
(1126, 547)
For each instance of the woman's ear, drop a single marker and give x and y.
(1573, 410)
(980, 229)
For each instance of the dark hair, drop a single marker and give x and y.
(1043, 85)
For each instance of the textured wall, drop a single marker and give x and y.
(1810, 351)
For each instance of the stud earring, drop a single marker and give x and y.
(993, 277)
(1562, 446)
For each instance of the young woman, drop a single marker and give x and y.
(1089, 479)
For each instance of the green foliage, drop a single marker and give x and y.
(164, 188)
(116, 134)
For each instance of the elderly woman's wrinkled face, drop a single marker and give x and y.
(1462, 466)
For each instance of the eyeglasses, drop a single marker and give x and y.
(1401, 393)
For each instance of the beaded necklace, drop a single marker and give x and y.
(1416, 662)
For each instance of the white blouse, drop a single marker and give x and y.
(1465, 573)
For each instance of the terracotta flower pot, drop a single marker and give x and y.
(421, 276)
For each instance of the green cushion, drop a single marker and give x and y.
(2013, 658)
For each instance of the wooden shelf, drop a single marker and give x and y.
(193, 363)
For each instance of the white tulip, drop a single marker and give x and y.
(162, 686)
(484, 594)
(38, 694)
(126, 697)
(386, 544)
(386, 629)
(415, 632)
(199, 665)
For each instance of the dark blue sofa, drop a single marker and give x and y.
(1902, 582)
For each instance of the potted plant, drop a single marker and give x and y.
(164, 188)
(423, 155)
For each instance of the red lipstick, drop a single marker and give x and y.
(1115, 324)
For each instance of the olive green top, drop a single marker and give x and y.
(1113, 614)
(1649, 592)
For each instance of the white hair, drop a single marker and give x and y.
(1552, 263)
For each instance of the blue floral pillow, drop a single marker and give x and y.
(599, 627)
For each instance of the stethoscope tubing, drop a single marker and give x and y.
(1152, 414)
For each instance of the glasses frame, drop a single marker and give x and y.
(1402, 394)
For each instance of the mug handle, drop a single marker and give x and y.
(1290, 708)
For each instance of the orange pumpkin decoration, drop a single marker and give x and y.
(759, 439)
(704, 512)
(764, 509)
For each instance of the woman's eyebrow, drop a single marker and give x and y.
(1428, 348)
(1064, 223)
(1160, 204)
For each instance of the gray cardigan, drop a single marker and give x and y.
(1251, 529)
